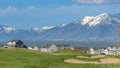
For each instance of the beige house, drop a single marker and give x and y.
(49, 48)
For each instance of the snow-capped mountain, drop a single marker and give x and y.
(6, 29)
(100, 27)
(100, 19)
(37, 29)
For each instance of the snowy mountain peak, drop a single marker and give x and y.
(104, 15)
(104, 18)
(62, 25)
(37, 29)
(47, 27)
(86, 20)
(101, 19)
(6, 29)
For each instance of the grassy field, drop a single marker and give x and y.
(22, 58)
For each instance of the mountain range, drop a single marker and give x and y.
(100, 27)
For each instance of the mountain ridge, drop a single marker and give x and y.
(98, 27)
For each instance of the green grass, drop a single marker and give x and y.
(22, 58)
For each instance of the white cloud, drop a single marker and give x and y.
(8, 10)
(14, 11)
(97, 1)
(31, 8)
(89, 1)
(65, 11)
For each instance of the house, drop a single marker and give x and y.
(45, 48)
(15, 44)
(103, 51)
(49, 48)
(111, 50)
(92, 51)
(106, 52)
(55, 47)
(99, 51)
(36, 48)
(114, 50)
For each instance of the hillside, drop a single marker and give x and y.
(21, 58)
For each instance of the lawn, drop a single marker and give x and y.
(23, 58)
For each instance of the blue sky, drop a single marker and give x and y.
(37, 13)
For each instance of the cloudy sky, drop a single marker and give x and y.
(38, 13)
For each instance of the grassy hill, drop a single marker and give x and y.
(22, 58)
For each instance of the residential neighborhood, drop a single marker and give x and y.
(51, 48)
(111, 50)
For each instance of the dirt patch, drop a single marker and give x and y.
(96, 56)
(110, 60)
(75, 61)
(101, 61)
(60, 54)
(82, 57)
